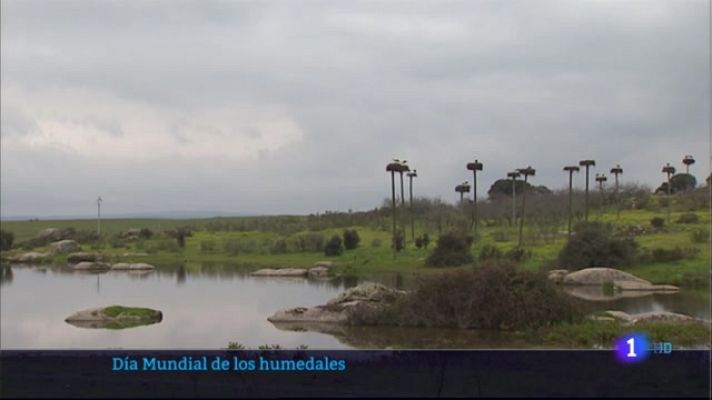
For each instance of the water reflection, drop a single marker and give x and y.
(6, 275)
(110, 324)
(209, 305)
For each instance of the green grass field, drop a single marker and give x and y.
(374, 254)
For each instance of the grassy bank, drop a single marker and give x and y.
(601, 334)
(374, 255)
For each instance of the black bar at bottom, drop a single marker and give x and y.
(483, 373)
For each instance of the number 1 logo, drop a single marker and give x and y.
(631, 348)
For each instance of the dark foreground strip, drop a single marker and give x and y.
(362, 374)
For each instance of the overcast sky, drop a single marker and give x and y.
(296, 107)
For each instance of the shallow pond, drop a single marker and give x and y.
(208, 306)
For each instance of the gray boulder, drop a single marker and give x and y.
(128, 255)
(313, 314)
(91, 266)
(325, 264)
(318, 272)
(51, 234)
(662, 316)
(78, 257)
(622, 280)
(599, 276)
(339, 309)
(366, 292)
(65, 246)
(31, 257)
(132, 267)
(281, 272)
(650, 317)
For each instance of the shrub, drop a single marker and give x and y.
(248, 246)
(593, 245)
(489, 252)
(334, 247)
(666, 255)
(207, 246)
(145, 233)
(518, 254)
(669, 255)
(657, 222)
(310, 241)
(117, 243)
(376, 243)
(6, 240)
(496, 296)
(700, 235)
(451, 250)
(278, 247)
(167, 245)
(351, 239)
(688, 218)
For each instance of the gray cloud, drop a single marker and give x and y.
(229, 105)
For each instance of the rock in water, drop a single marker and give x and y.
(83, 256)
(373, 292)
(31, 257)
(622, 280)
(282, 272)
(65, 246)
(132, 267)
(91, 266)
(318, 272)
(599, 276)
(115, 317)
(338, 310)
(325, 264)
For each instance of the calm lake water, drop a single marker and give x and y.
(205, 307)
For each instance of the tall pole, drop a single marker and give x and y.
(412, 175)
(463, 188)
(474, 167)
(393, 204)
(617, 171)
(571, 169)
(587, 164)
(514, 175)
(393, 167)
(403, 168)
(669, 170)
(600, 179)
(526, 172)
(98, 215)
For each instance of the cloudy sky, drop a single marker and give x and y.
(293, 107)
